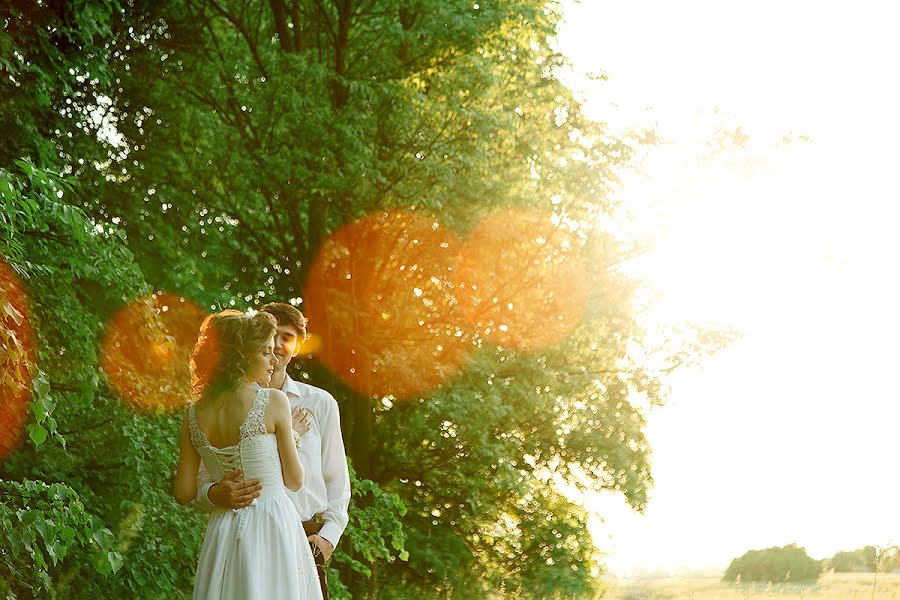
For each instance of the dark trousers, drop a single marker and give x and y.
(309, 528)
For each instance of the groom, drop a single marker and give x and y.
(323, 499)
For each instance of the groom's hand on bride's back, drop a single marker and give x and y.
(232, 493)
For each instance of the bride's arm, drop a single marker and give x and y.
(188, 465)
(291, 469)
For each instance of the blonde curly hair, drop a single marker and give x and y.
(221, 357)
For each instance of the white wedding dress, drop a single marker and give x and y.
(259, 551)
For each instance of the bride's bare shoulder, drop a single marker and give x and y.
(279, 399)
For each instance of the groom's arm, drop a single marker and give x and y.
(201, 500)
(230, 492)
(335, 474)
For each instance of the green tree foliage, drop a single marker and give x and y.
(53, 60)
(40, 524)
(208, 149)
(787, 563)
(250, 131)
(43, 492)
(47, 55)
(849, 562)
(888, 558)
(375, 533)
(111, 457)
(78, 272)
(867, 558)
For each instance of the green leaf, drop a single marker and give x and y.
(38, 410)
(103, 537)
(41, 385)
(47, 529)
(103, 564)
(115, 560)
(67, 534)
(37, 434)
(57, 551)
(28, 517)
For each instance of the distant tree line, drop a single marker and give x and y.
(866, 559)
(792, 563)
(776, 564)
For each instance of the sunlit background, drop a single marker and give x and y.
(766, 203)
(770, 205)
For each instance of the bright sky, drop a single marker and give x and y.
(788, 435)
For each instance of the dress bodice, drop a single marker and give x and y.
(256, 452)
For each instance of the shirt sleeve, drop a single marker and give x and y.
(335, 474)
(201, 500)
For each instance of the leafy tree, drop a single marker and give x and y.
(888, 558)
(110, 454)
(43, 519)
(787, 563)
(220, 147)
(53, 60)
(250, 132)
(867, 558)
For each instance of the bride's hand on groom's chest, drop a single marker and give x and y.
(303, 420)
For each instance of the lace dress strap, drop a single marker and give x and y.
(254, 424)
(198, 438)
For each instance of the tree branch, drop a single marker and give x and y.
(279, 13)
(251, 44)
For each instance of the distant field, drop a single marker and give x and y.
(843, 586)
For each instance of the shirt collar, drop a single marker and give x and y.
(290, 386)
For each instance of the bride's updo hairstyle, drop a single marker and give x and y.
(221, 357)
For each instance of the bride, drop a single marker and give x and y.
(259, 551)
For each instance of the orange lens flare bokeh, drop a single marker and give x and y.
(16, 358)
(380, 297)
(310, 346)
(521, 280)
(146, 351)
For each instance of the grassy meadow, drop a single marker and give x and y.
(831, 586)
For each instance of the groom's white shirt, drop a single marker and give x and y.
(326, 483)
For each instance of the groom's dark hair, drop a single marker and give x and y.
(286, 314)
